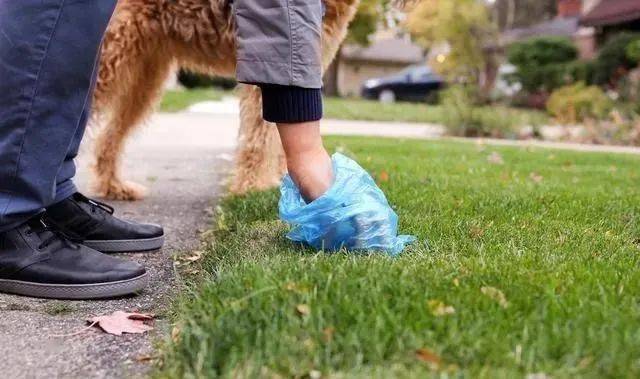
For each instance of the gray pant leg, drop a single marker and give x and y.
(279, 42)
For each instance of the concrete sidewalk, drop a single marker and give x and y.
(204, 121)
(183, 164)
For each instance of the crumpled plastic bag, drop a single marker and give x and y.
(353, 214)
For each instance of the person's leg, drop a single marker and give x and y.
(65, 187)
(87, 220)
(289, 73)
(47, 58)
(308, 162)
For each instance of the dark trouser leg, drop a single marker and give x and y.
(47, 56)
(64, 181)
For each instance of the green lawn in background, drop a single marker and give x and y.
(529, 266)
(365, 110)
(175, 101)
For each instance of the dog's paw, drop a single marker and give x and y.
(127, 191)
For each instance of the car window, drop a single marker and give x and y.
(421, 74)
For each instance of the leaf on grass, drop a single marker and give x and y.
(120, 322)
(327, 333)
(476, 232)
(538, 375)
(383, 176)
(175, 334)
(495, 158)
(196, 256)
(438, 308)
(535, 177)
(428, 356)
(303, 309)
(496, 295)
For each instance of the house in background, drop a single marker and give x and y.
(386, 55)
(565, 24)
(589, 23)
(608, 17)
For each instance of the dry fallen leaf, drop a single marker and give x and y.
(438, 308)
(537, 178)
(145, 358)
(384, 176)
(303, 309)
(496, 295)
(327, 333)
(495, 158)
(476, 231)
(122, 322)
(196, 256)
(175, 334)
(429, 357)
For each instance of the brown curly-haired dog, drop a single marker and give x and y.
(148, 40)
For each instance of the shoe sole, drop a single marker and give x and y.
(126, 246)
(76, 291)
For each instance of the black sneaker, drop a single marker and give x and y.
(93, 223)
(36, 260)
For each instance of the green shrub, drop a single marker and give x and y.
(542, 62)
(578, 102)
(613, 57)
(633, 51)
(463, 116)
(542, 51)
(191, 80)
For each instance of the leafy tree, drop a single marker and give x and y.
(371, 13)
(464, 25)
(522, 13)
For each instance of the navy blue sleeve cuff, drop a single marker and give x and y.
(288, 104)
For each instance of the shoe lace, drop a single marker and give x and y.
(49, 234)
(98, 205)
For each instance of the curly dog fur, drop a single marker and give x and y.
(147, 41)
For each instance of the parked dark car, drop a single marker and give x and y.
(416, 83)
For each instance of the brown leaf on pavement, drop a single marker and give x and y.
(120, 322)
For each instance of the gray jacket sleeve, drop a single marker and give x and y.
(279, 42)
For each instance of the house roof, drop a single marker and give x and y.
(559, 26)
(611, 12)
(390, 50)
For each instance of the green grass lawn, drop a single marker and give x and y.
(525, 267)
(366, 110)
(175, 101)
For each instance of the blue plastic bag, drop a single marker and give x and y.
(353, 213)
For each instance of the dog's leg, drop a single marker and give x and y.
(259, 159)
(139, 85)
